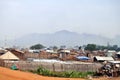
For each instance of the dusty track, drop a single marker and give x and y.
(7, 74)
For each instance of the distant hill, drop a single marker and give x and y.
(64, 37)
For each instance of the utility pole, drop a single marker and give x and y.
(5, 43)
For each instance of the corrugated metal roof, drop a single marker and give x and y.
(115, 62)
(118, 53)
(104, 58)
(67, 51)
(51, 51)
(111, 51)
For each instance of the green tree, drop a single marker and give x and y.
(99, 47)
(37, 46)
(55, 48)
(90, 47)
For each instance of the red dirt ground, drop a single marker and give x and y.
(7, 74)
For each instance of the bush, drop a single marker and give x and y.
(67, 74)
(43, 71)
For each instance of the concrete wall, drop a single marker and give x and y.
(23, 65)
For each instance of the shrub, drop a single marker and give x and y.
(67, 74)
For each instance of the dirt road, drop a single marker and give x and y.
(7, 74)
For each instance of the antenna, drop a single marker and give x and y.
(5, 41)
(108, 44)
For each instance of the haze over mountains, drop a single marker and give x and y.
(63, 37)
(95, 21)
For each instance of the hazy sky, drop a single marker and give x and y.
(19, 17)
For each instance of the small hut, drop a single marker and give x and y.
(102, 59)
(8, 56)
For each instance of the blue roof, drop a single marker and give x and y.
(82, 57)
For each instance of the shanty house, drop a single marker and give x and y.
(118, 54)
(63, 53)
(9, 56)
(18, 53)
(101, 59)
(110, 53)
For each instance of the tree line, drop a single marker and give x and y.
(90, 47)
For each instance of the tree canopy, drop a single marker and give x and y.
(55, 47)
(90, 47)
(37, 46)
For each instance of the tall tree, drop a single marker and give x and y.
(55, 48)
(37, 46)
(90, 47)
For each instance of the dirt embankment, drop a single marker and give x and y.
(7, 74)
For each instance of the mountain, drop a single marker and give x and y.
(63, 37)
(116, 40)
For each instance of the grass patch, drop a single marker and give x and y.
(67, 74)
